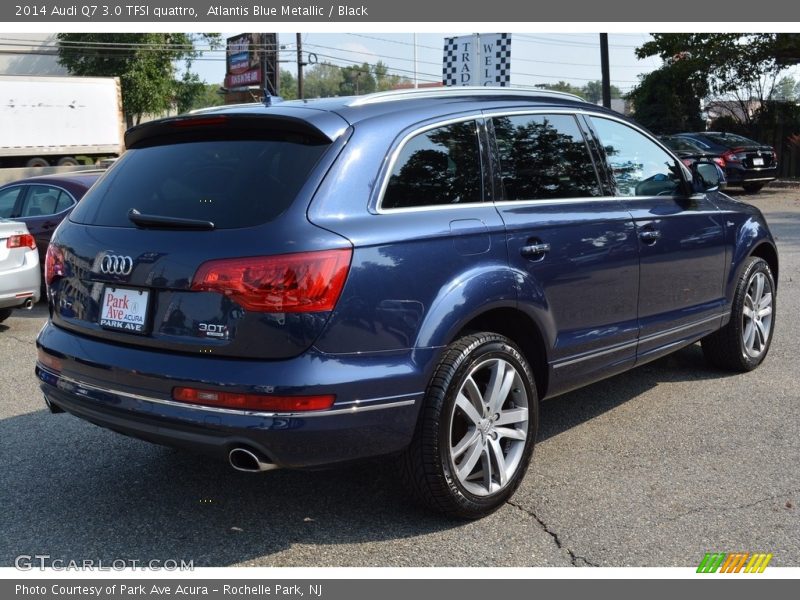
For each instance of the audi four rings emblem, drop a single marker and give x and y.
(113, 264)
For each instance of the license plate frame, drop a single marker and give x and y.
(124, 309)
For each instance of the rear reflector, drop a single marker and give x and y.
(21, 241)
(49, 361)
(252, 401)
(302, 282)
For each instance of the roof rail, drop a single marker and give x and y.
(456, 91)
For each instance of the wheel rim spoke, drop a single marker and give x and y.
(761, 332)
(511, 433)
(474, 395)
(759, 281)
(749, 335)
(468, 464)
(512, 416)
(486, 460)
(472, 438)
(496, 452)
(765, 302)
(468, 409)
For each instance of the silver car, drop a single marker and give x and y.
(20, 281)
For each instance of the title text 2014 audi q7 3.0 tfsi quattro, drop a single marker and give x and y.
(406, 273)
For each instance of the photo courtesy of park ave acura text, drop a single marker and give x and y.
(385, 298)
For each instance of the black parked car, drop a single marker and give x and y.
(690, 152)
(748, 163)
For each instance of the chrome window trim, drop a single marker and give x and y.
(387, 172)
(350, 407)
(491, 113)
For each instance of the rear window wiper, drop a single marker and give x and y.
(165, 222)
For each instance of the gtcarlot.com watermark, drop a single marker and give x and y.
(29, 562)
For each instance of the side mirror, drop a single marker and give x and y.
(707, 175)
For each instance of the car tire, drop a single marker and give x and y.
(476, 430)
(4, 314)
(752, 188)
(743, 343)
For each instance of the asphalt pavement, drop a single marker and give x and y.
(654, 467)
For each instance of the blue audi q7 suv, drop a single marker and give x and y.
(407, 273)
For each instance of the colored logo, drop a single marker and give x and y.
(736, 562)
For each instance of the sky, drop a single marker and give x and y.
(535, 57)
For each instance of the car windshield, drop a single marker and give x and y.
(730, 139)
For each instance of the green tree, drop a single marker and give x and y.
(664, 102)
(357, 80)
(785, 89)
(561, 86)
(322, 80)
(288, 85)
(593, 91)
(144, 62)
(208, 94)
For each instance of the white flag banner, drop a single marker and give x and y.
(483, 59)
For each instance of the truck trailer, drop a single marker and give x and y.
(59, 120)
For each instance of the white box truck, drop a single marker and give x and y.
(59, 120)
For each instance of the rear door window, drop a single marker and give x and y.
(42, 200)
(8, 201)
(543, 157)
(440, 166)
(232, 183)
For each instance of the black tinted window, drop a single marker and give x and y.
(544, 156)
(440, 166)
(232, 183)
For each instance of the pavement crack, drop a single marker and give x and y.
(717, 508)
(575, 559)
(20, 340)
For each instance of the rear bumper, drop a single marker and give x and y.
(740, 175)
(129, 391)
(19, 284)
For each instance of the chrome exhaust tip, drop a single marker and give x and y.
(28, 304)
(248, 461)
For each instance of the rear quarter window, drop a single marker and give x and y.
(232, 183)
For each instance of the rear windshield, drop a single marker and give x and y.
(232, 183)
(681, 145)
(730, 139)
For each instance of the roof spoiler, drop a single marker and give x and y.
(221, 125)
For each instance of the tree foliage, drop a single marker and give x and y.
(665, 103)
(144, 62)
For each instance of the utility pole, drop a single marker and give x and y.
(604, 68)
(300, 65)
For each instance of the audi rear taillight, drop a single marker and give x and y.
(53, 264)
(252, 401)
(302, 282)
(24, 240)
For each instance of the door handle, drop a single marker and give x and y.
(537, 250)
(649, 236)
